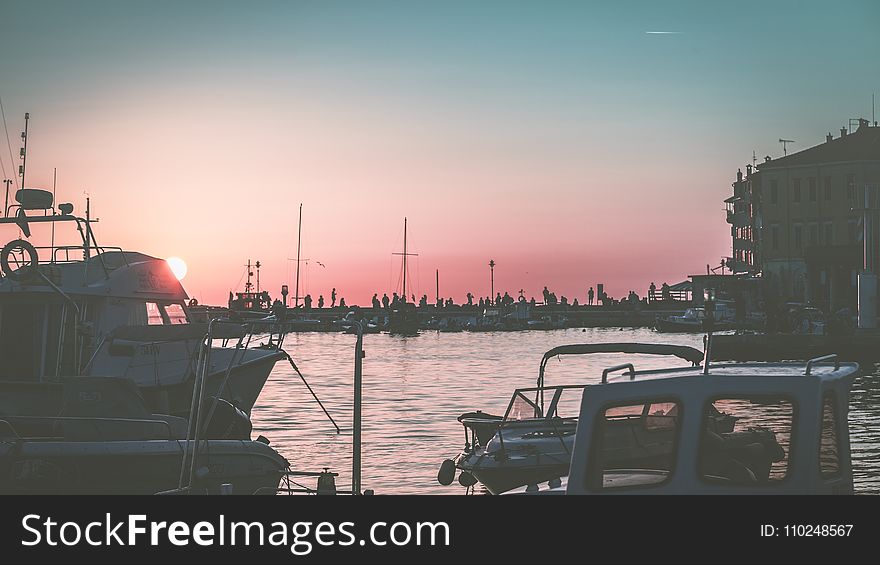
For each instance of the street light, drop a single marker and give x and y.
(492, 275)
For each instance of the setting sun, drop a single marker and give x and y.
(178, 267)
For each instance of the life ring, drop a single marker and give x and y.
(23, 268)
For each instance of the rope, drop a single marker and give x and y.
(315, 396)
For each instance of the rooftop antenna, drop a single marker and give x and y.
(248, 285)
(785, 143)
(873, 115)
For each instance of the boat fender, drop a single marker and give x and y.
(22, 270)
(466, 480)
(447, 472)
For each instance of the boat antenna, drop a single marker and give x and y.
(87, 251)
(248, 285)
(54, 183)
(257, 265)
(23, 153)
(298, 244)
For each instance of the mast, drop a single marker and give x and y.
(248, 285)
(405, 254)
(54, 182)
(298, 243)
(404, 258)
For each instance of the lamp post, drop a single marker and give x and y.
(492, 278)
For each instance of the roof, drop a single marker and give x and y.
(861, 145)
(826, 371)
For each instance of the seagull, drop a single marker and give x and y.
(322, 264)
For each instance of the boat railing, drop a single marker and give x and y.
(95, 420)
(823, 359)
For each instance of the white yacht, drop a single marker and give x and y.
(85, 309)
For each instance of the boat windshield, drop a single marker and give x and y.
(545, 402)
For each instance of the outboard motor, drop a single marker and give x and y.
(447, 472)
(227, 421)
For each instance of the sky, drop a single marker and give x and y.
(563, 140)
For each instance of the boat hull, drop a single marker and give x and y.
(136, 467)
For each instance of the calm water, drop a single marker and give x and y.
(415, 388)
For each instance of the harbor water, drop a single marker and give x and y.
(416, 387)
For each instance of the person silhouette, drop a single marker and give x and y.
(333, 298)
(320, 301)
(590, 295)
(385, 300)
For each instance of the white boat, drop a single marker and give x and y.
(97, 311)
(95, 435)
(533, 440)
(791, 434)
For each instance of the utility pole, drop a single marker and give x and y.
(492, 278)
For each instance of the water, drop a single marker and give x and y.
(416, 387)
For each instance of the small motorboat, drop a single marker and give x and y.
(533, 440)
(791, 434)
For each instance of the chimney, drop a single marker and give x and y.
(748, 170)
(828, 137)
(842, 132)
(739, 175)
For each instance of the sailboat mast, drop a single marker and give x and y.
(298, 243)
(404, 258)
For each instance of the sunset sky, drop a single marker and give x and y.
(561, 139)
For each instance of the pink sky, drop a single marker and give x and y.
(568, 145)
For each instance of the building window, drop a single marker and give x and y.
(774, 192)
(798, 236)
(827, 188)
(796, 190)
(829, 233)
(851, 188)
(852, 229)
(814, 235)
(812, 190)
(774, 236)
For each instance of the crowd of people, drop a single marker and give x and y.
(593, 298)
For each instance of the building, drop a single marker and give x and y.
(800, 221)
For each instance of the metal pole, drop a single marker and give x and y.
(356, 425)
(6, 208)
(492, 275)
(298, 241)
(437, 287)
(404, 259)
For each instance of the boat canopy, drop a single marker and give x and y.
(685, 352)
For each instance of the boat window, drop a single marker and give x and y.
(635, 445)
(154, 315)
(176, 314)
(746, 440)
(829, 462)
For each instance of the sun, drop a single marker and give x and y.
(178, 267)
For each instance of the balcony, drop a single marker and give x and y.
(738, 219)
